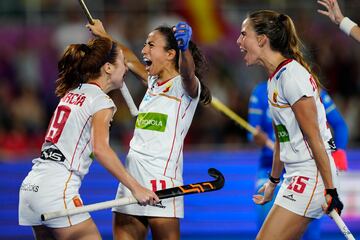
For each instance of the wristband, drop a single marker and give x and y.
(346, 25)
(274, 180)
(331, 191)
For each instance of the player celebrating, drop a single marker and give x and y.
(259, 115)
(334, 13)
(173, 78)
(78, 132)
(303, 141)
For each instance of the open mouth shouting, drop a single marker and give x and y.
(148, 63)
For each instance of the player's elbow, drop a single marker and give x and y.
(100, 149)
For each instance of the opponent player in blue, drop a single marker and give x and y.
(259, 116)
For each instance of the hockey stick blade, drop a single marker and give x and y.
(201, 187)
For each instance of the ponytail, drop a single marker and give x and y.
(82, 62)
(294, 48)
(201, 67)
(281, 31)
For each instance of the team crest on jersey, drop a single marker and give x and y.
(167, 87)
(274, 96)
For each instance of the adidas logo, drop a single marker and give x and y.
(159, 205)
(290, 197)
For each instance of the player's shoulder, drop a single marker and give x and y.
(292, 70)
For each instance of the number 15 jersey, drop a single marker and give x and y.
(286, 86)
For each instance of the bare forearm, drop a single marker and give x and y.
(108, 159)
(277, 166)
(355, 33)
(187, 72)
(322, 161)
(306, 114)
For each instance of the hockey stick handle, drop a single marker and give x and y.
(89, 208)
(129, 100)
(124, 90)
(201, 187)
(86, 11)
(217, 104)
(341, 224)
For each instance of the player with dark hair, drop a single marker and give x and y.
(173, 76)
(77, 134)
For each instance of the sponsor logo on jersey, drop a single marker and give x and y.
(290, 197)
(29, 187)
(151, 121)
(52, 154)
(282, 133)
(332, 145)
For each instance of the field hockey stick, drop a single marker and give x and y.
(340, 223)
(124, 90)
(201, 187)
(217, 104)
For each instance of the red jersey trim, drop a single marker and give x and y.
(174, 138)
(160, 84)
(283, 63)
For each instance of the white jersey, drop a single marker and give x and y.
(70, 127)
(165, 115)
(290, 82)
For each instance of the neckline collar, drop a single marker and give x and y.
(283, 63)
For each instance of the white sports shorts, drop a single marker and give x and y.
(302, 190)
(49, 187)
(148, 177)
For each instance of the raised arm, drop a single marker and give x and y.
(183, 34)
(131, 60)
(333, 11)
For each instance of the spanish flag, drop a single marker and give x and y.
(205, 18)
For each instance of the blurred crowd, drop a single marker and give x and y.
(33, 35)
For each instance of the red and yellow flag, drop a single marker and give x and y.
(205, 18)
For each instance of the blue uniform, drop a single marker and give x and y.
(259, 115)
